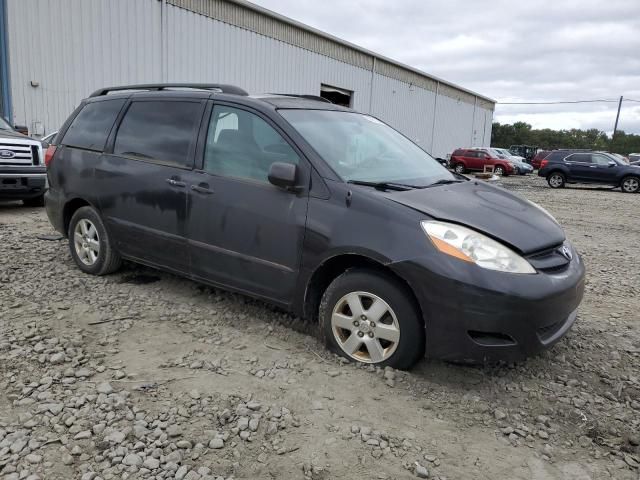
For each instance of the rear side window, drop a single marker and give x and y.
(556, 156)
(91, 127)
(580, 157)
(159, 131)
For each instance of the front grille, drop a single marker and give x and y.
(549, 260)
(18, 154)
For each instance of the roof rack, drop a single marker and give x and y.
(308, 97)
(219, 87)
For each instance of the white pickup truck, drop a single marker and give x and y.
(23, 175)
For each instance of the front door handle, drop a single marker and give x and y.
(175, 183)
(202, 189)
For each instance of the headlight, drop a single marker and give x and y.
(471, 246)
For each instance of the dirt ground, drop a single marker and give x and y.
(142, 374)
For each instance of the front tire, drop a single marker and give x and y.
(90, 245)
(630, 184)
(556, 180)
(499, 171)
(460, 168)
(370, 317)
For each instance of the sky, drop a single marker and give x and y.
(511, 51)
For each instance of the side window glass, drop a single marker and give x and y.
(600, 160)
(159, 131)
(241, 144)
(579, 157)
(91, 127)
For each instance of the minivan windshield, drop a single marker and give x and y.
(4, 125)
(360, 148)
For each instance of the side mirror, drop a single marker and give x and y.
(283, 175)
(612, 163)
(21, 129)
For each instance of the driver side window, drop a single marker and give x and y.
(240, 144)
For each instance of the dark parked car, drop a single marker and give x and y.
(326, 212)
(538, 157)
(578, 166)
(525, 151)
(475, 159)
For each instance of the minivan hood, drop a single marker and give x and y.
(488, 209)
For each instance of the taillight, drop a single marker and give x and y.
(543, 164)
(48, 155)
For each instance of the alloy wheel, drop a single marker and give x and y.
(86, 242)
(459, 168)
(631, 185)
(365, 327)
(499, 171)
(555, 181)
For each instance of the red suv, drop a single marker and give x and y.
(465, 159)
(538, 157)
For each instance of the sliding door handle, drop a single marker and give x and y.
(175, 183)
(201, 189)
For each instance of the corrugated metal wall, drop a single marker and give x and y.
(203, 49)
(72, 47)
(69, 48)
(405, 107)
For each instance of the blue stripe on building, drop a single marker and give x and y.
(5, 91)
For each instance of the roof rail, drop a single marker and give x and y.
(308, 97)
(220, 87)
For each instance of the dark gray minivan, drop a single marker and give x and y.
(323, 211)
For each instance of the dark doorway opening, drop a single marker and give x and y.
(336, 95)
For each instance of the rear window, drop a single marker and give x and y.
(556, 156)
(91, 127)
(160, 131)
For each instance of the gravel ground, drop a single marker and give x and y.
(145, 375)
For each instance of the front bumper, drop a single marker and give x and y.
(22, 183)
(474, 314)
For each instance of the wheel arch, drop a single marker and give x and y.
(333, 267)
(70, 208)
(628, 175)
(556, 170)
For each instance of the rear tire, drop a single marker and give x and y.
(630, 184)
(460, 168)
(556, 180)
(91, 247)
(370, 317)
(34, 202)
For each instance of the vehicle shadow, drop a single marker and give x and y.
(10, 205)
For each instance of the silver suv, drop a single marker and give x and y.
(23, 174)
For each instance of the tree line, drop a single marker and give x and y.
(521, 133)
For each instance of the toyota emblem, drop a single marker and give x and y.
(566, 252)
(7, 154)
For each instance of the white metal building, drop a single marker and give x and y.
(53, 53)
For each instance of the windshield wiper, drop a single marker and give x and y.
(444, 181)
(385, 185)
